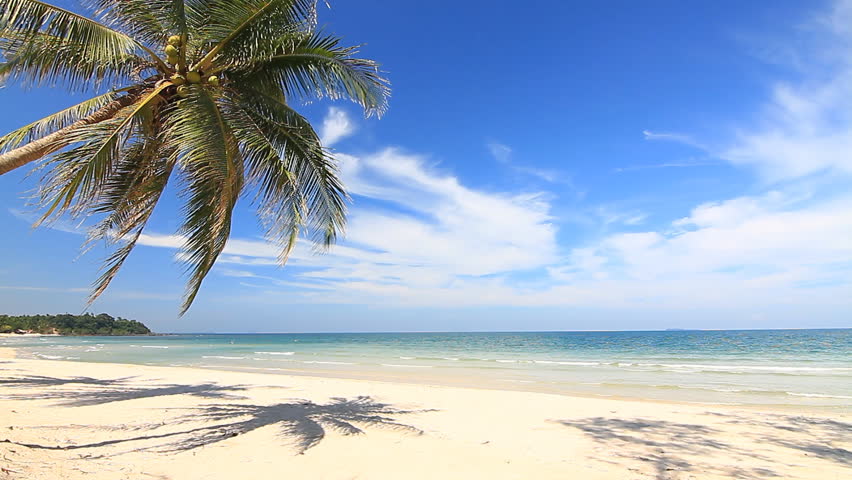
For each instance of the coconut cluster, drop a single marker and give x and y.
(173, 49)
(173, 52)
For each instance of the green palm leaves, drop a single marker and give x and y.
(207, 89)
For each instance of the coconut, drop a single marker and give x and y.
(193, 77)
(183, 90)
(213, 80)
(172, 59)
(174, 40)
(172, 50)
(178, 79)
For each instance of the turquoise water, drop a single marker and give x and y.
(811, 368)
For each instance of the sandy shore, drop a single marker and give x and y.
(68, 420)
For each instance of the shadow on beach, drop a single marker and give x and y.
(110, 390)
(671, 448)
(815, 436)
(302, 423)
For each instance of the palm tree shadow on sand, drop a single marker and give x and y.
(302, 422)
(672, 448)
(44, 381)
(819, 437)
(668, 448)
(93, 391)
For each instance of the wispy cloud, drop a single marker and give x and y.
(741, 251)
(25, 288)
(688, 164)
(681, 138)
(336, 126)
(83, 291)
(806, 128)
(504, 153)
(609, 216)
(451, 229)
(501, 153)
(62, 225)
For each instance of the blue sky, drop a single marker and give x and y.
(550, 166)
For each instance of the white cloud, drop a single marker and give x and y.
(430, 231)
(806, 128)
(673, 137)
(746, 234)
(82, 291)
(501, 153)
(743, 251)
(609, 216)
(336, 126)
(434, 228)
(775, 254)
(24, 288)
(684, 164)
(157, 240)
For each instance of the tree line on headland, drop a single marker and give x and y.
(67, 324)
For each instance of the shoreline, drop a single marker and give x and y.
(9, 352)
(448, 381)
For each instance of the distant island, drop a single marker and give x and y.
(67, 324)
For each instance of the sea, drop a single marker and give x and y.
(780, 368)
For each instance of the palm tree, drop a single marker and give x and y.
(207, 88)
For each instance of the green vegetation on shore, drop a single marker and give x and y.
(67, 324)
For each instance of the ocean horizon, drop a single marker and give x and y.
(783, 368)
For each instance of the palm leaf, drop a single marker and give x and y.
(281, 206)
(211, 170)
(41, 58)
(150, 21)
(33, 17)
(129, 198)
(244, 24)
(54, 122)
(312, 169)
(316, 66)
(78, 173)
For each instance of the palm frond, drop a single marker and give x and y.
(246, 24)
(76, 175)
(152, 21)
(316, 66)
(43, 59)
(54, 122)
(144, 20)
(212, 174)
(128, 199)
(33, 17)
(281, 207)
(308, 165)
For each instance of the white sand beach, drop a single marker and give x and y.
(72, 420)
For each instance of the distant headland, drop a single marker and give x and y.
(68, 324)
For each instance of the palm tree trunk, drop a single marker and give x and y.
(50, 143)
